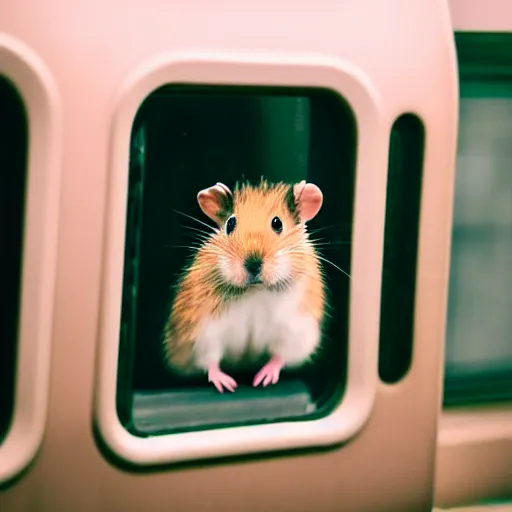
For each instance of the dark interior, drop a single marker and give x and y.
(398, 292)
(13, 155)
(187, 138)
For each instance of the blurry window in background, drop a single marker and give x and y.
(479, 327)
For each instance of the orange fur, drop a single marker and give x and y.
(202, 291)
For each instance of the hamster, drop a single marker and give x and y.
(255, 289)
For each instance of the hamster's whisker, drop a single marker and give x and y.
(325, 241)
(205, 234)
(332, 226)
(326, 248)
(321, 258)
(199, 236)
(335, 266)
(327, 244)
(312, 231)
(190, 247)
(197, 220)
(197, 239)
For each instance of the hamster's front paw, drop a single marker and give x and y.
(220, 379)
(269, 373)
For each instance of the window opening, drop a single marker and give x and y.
(13, 160)
(187, 138)
(403, 198)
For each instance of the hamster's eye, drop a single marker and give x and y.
(230, 225)
(277, 225)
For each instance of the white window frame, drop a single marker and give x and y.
(29, 75)
(355, 408)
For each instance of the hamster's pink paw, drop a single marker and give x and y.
(269, 373)
(220, 379)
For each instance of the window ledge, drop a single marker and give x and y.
(474, 456)
(476, 508)
(474, 425)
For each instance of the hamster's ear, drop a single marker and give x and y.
(216, 202)
(309, 199)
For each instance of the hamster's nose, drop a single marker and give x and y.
(253, 265)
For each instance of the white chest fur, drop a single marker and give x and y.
(258, 322)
